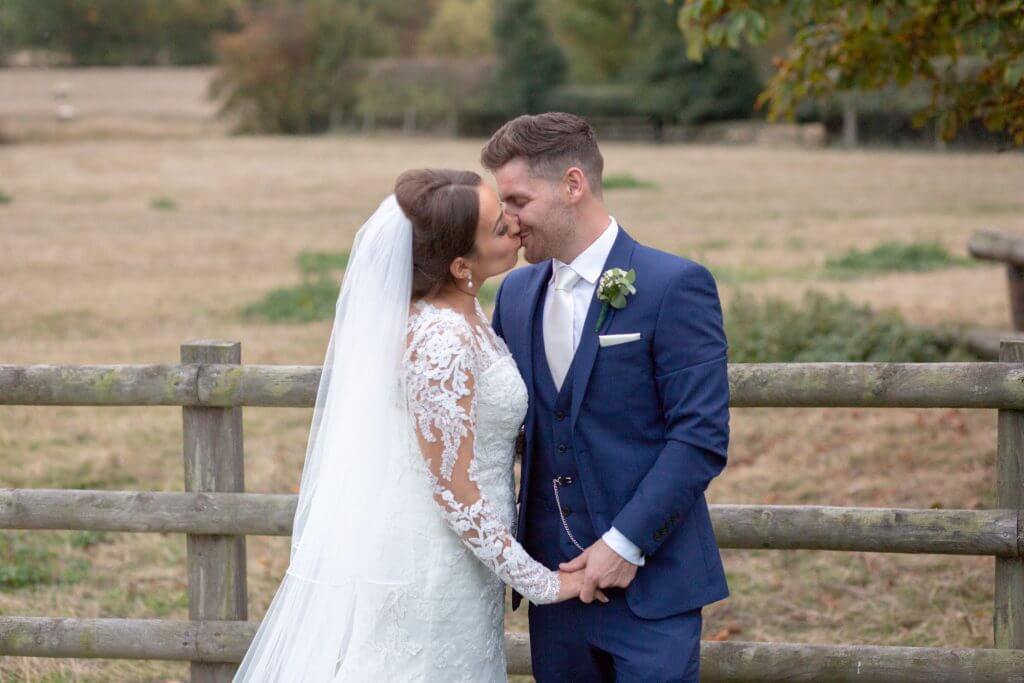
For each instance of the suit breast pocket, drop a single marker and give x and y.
(605, 341)
(625, 376)
(634, 352)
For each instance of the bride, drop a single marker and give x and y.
(401, 542)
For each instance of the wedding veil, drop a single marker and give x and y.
(350, 549)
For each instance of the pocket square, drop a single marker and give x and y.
(613, 339)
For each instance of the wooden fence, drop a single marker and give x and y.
(212, 386)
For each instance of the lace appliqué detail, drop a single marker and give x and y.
(446, 373)
(489, 539)
(438, 382)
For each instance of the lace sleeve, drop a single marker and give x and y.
(441, 366)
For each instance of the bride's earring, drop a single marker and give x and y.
(471, 282)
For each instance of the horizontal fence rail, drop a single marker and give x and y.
(869, 385)
(780, 527)
(226, 641)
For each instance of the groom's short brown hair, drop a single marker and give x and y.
(550, 143)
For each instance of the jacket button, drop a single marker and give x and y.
(560, 415)
(566, 510)
(562, 448)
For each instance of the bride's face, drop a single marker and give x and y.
(496, 248)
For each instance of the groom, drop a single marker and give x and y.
(628, 419)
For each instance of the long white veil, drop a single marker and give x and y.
(351, 546)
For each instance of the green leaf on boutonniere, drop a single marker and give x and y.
(612, 289)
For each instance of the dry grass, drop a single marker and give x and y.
(93, 274)
(153, 102)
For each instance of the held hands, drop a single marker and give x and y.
(570, 585)
(601, 567)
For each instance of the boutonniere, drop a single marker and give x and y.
(613, 287)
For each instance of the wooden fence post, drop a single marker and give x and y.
(993, 245)
(1015, 279)
(1008, 616)
(214, 462)
(850, 129)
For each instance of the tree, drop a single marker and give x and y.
(530, 63)
(459, 28)
(676, 89)
(404, 19)
(970, 52)
(294, 68)
(597, 34)
(118, 32)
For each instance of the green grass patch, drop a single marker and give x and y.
(165, 603)
(316, 296)
(742, 275)
(891, 257)
(823, 328)
(313, 299)
(317, 262)
(88, 475)
(488, 293)
(163, 204)
(713, 245)
(626, 181)
(993, 209)
(88, 538)
(796, 243)
(887, 257)
(5, 198)
(29, 558)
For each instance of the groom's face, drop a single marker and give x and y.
(535, 207)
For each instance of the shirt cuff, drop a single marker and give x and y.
(623, 546)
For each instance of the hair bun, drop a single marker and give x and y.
(444, 209)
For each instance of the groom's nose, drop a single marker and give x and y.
(513, 224)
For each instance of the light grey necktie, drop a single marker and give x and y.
(558, 324)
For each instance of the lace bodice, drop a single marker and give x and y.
(467, 400)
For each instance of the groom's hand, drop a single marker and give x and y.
(603, 568)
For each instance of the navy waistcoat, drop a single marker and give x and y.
(553, 455)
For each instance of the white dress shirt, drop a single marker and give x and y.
(588, 265)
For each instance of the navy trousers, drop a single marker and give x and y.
(574, 641)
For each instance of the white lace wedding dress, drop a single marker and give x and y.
(467, 401)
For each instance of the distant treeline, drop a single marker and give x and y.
(303, 66)
(118, 32)
(468, 63)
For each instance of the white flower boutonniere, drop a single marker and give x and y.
(613, 287)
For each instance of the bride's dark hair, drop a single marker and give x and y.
(444, 209)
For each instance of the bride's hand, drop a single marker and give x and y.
(570, 585)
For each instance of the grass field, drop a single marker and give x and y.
(116, 251)
(147, 102)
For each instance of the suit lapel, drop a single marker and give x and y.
(620, 256)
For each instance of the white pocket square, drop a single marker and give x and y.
(613, 339)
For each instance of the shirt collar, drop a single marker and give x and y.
(591, 260)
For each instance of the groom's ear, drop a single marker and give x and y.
(575, 183)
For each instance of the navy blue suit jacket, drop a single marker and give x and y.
(650, 418)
